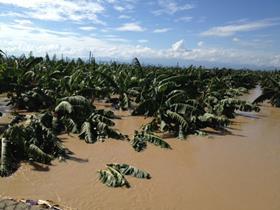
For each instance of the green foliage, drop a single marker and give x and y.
(140, 139)
(79, 116)
(114, 174)
(31, 142)
(32, 100)
(182, 101)
(129, 170)
(64, 107)
(271, 91)
(228, 106)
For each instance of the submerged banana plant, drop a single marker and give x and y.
(112, 178)
(78, 115)
(129, 170)
(114, 174)
(4, 164)
(32, 141)
(271, 92)
(139, 142)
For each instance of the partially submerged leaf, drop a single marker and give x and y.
(177, 117)
(87, 133)
(112, 178)
(126, 169)
(140, 138)
(64, 107)
(156, 140)
(37, 154)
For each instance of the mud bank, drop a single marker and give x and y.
(239, 171)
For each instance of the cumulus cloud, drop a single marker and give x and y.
(113, 47)
(59, 10)
(134, 27)
(119, 8)
(200, 43)
(179, 46)
(87, 28)
(230, 30)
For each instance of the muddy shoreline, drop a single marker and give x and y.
(236, 171)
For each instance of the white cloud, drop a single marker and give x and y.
(87, 28)
(200, 43)
(254, 44)
(124, 17)
(171, 7)
(135, 27)
(59, 10)
(12, 14)
(114, 38)
(184, 19)
(117, 39)
(77, 45)
(24, 22)
(119, 8)
(161, 30)
(230, 30)
(178, 46)
(230, 56)
(235, 39)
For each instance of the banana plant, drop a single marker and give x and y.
(140, 139)
(32, 100)
(31, 141)
(114, 174)
(271, 92)
(78, 115)
(123, 82)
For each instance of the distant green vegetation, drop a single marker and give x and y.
(182, 101)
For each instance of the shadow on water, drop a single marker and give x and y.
(39, 167)
(77, 159)
(224, 132)
(251, 115)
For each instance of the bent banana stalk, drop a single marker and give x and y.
(4, 166)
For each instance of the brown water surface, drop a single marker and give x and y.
(240, 171)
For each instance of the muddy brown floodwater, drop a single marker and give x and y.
(240, 171)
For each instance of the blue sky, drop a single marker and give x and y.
(239, 33)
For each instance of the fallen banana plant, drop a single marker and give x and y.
(114, 174)
(139, 142)
(126, 169)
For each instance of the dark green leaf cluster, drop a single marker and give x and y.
(140, 139)
(78, 115)
(114, 174)
(31, 142)
(271, 90)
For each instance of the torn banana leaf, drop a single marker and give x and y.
(112, 178)
(126, 169)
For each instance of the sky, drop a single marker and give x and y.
(230, 33)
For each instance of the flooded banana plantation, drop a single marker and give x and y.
(88, 135)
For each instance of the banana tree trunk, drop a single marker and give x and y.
(4, 162)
